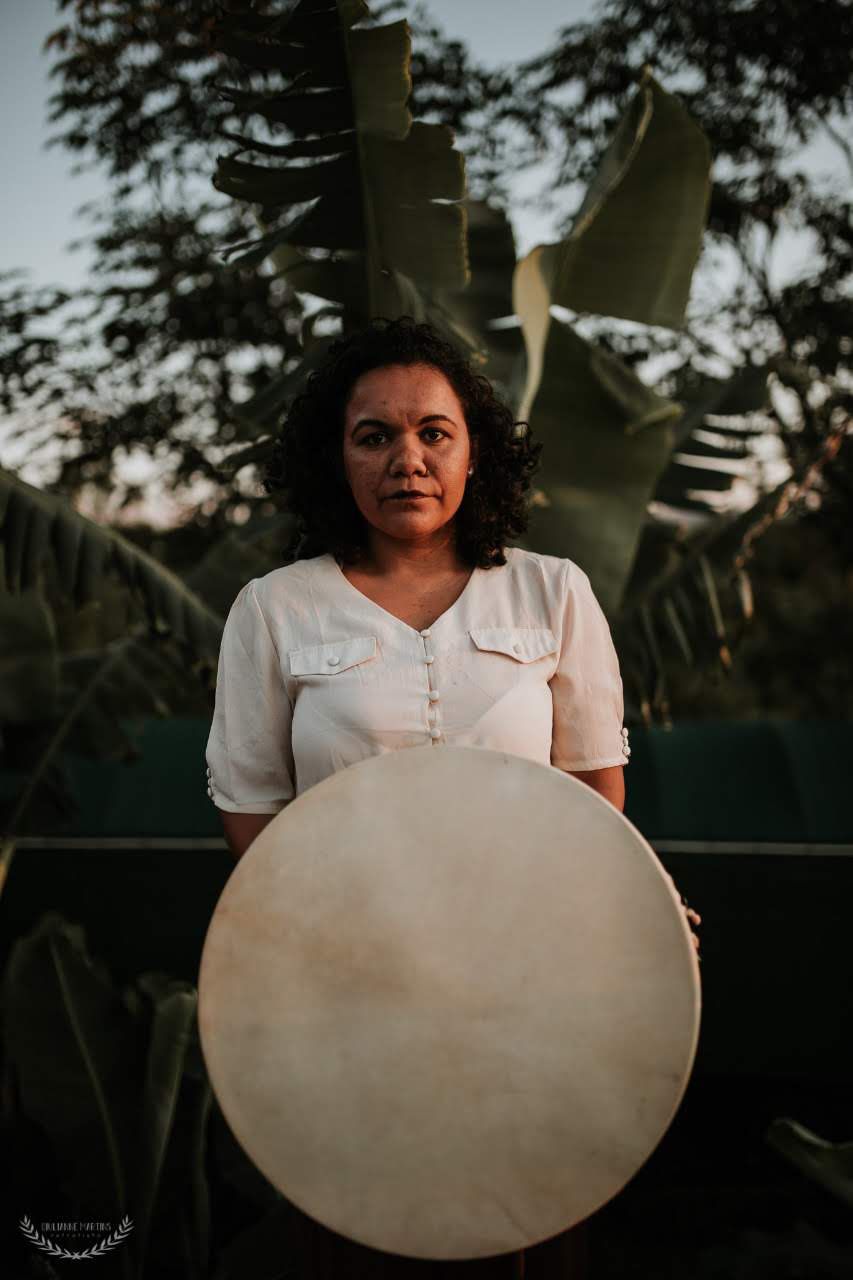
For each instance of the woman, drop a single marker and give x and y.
(403, 619)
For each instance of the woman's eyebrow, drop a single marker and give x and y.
(377, 422)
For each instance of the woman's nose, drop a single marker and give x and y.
(408, 459)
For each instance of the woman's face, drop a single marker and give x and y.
(404, 428)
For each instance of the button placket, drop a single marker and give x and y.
(433, 710)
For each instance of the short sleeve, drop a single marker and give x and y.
(249, 753)
(586, 687)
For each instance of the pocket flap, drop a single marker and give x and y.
(525, 644)
(331, 659)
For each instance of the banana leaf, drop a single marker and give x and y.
(698, 436)
(607, 437)
(743, 393)
(36, 526)
(29, 671)
(703, 584)
(173, 1022)
(637, 235)
(830, 1164)
(630, 254)
(104, 686)
(76, 1047)
(116, 1082)
(487, 300)
(384, 190)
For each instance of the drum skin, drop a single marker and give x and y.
(449, 1002)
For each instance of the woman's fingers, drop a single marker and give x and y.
(693, 916)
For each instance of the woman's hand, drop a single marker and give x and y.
(695, 918)
(692, 916)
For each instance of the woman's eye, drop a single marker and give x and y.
(374, 434)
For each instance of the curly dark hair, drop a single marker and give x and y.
(306, 471)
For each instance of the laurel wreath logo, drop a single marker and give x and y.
(55, 1250)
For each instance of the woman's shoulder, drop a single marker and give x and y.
(553, 570)
(557, 582)
(289, 577)
(283, 592)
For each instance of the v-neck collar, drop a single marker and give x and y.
(338, 571)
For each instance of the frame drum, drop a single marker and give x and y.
(449, 1002)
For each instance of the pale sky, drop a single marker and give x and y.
(37, 216)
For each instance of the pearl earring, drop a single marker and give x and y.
(470, 471)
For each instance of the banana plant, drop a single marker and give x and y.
(630, 254)
(693, 597)
(116, 1081)
(74, 655)
(384, 218)
(38, 527)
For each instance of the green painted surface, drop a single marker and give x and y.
(762, 781)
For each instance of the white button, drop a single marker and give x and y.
(435, 733)
(429, 659)
(433, 695)
(517, 648)
(333, 662)
(425, 631)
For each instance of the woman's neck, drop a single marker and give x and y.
(392, 559)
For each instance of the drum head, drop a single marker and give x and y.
(449, 1002)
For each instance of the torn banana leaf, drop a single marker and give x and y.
(607, 437)
(377, 186)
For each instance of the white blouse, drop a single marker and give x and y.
(314, 676)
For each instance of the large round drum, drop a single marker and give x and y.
(449, 1002)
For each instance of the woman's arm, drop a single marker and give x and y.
(609, 783)
(250, 768)
(241, 828)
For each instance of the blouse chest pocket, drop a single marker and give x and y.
(490, 668)
(525, 644)
(332, 659)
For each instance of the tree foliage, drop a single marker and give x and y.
(151, 357)
(763, 84)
